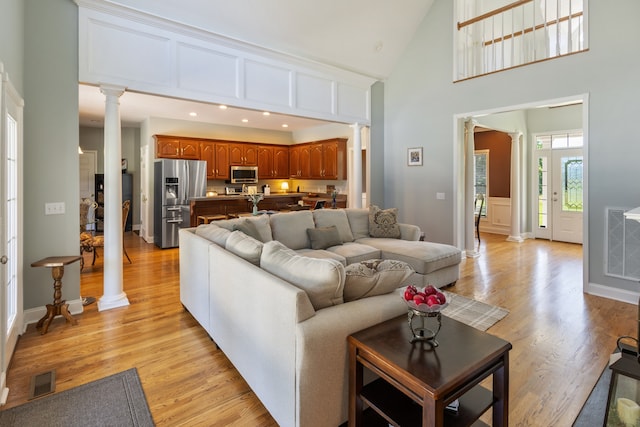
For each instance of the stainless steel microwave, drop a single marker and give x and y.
(244, 174)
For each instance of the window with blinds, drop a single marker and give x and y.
(495, 35)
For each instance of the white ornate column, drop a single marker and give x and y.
(114, 296)
(469, 173)
(355, 198)
(515, 189)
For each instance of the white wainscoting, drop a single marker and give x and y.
(124, 47)
(498, 220)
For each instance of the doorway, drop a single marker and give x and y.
(529, 119)
(88, 167)
(558, 199)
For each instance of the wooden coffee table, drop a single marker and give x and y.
(417, 381)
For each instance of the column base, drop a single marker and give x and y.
(518, 239)
(109, 302)
(472, 254)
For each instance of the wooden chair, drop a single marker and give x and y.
(86, 235)
(98, 241)
(479, 204)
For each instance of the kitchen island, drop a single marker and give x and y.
(237, 204)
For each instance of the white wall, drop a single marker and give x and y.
(51, 165)
(12, 46)
(421, 100)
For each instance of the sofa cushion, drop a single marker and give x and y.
(322, 254)
(336, 217)
(383, 222)
(358, 221)
(212, 232)
(261, 222)
(374, 277)
(321, 279)
(423, 257)
(244, 246)
(249, 228)
(291, 228)
(355, 252)
(324, 237)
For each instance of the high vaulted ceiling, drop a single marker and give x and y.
(364, 36)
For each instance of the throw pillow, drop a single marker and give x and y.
(324, 237)
(248, 228)
(337, 217)
(263, 226)
(321, 279)
(291, 229)
(383, 223)
(374, 277)
(245, 247)
(214, 233)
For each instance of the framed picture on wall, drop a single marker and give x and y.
(414, 156)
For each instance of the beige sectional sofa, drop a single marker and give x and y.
(268, 290)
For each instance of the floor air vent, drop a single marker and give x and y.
(42, 384)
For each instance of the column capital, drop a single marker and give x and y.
(112, 90)
(469, 124)
(515, 136)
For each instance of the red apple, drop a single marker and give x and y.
(432, 300)
(430, 290)
(441, 297)
(408, 295)
(418, 299)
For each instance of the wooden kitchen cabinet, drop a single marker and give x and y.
(170, 147)
(273, 162)
(216, 154)
(243, 154)
(299, 161)
(326, 159)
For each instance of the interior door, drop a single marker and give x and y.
(88, 165)
(566, 195)
(11, 105)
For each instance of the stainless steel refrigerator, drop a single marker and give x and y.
(175, 183)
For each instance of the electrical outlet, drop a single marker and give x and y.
(439, 196)
(56, 208)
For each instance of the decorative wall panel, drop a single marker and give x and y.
(267, 84)
(127, 54)
(314, 93)
(207, 70)
(124, 47)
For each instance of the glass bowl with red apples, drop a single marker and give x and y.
(428, 300)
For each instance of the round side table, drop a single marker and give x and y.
(59, 306)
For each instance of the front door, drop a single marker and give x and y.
(10, 231)
(559, 186)
(567, 192)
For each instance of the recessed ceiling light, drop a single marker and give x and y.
(245, 120)
(193, 114)
(223, 107)
(284, 125)
(266, 113)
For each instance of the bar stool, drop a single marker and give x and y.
(206, 219)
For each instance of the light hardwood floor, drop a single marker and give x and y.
(561, 337)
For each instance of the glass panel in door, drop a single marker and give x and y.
(567, 195)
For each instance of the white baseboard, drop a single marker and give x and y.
(612, 293)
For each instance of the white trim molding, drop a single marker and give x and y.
(145, 53)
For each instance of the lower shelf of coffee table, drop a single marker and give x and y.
(399, 410)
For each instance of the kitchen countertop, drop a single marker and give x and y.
(244, 196)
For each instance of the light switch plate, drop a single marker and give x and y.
(55, 208)
(440, 196)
